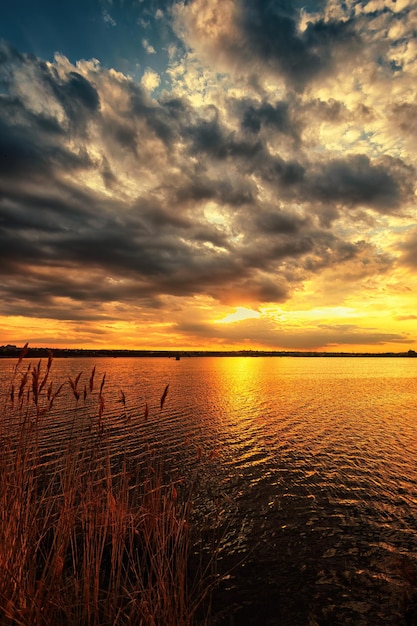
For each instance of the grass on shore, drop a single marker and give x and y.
(85, 541)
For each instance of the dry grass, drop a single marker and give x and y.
(85, 541)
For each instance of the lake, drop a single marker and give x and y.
(313, 461)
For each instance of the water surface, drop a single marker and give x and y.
(313, 462)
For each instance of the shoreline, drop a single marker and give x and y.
(16, 352)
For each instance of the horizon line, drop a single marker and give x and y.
(13, 351)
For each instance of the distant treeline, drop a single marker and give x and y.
(15, 351)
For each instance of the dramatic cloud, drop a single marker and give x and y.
(266, 38)
(409, 249)
(270, 164)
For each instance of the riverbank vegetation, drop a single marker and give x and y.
(88, 538)
(10, 351)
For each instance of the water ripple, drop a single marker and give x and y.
(316, 463)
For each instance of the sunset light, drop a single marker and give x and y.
(208, 312)
(209, 174)
(240, 314)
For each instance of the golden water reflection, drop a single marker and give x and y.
(316, 459)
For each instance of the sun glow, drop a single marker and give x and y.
(241, 313)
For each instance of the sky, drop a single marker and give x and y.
(209, 174)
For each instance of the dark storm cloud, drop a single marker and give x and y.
(352, 181)
(76, 95)
(124, 134)
(355, 181)
(278, 171)
(265, 118)
(255, 117)
(75, 90)
(215, 208)
(200, 187)
(147, 255)
(269, 34)
(280, 221)
(31, 143)
(142, 117)
(212, 138)
(36, 220)
(249, 153)
(147, 247)
(18, 156)
(158, 118)
(24, 152)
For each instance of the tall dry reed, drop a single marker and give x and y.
(85, 541)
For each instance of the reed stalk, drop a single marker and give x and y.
(85, 541)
